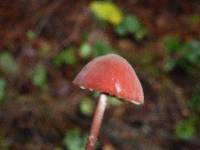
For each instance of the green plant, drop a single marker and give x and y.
(106, 11)
(185, 55)
(85, 50)
(39, 76)
(65, 57)
(172, 44)
(186, 129)
(100, 48)
(97, 49)
(2, 89)
(194, 102)
(87, 106)
(113, 101)
(7, 63)
(131, 25)
(31, 35)
(124, 25)
(74, 140)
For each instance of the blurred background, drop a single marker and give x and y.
(45, 43)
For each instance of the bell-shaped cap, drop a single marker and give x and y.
(113, 75)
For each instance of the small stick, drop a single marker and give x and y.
(96, 123)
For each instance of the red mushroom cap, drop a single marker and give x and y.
(113, 75)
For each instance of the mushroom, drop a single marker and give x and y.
(110, 75)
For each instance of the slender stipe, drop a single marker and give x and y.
(96, 123)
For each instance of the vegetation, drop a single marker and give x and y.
(185, 55)
(45, 43)
(74, 140)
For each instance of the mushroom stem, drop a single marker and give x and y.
(96, 123)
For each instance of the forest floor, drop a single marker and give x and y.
(38, 111)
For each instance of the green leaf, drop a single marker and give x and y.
(87, 106)
(172, 44)
(65, 57)
(100, 48)
(7, 63)
(185, 55)
(74, 140)
(186, 129)
(191, 51)
(31, 35)
(113, 101)
(170, 65)
(106, 11)
(121, 30)
(85, 50)
(140, 34)
(131, 24)
(2, 89)
(194, 102)
(39, 76)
